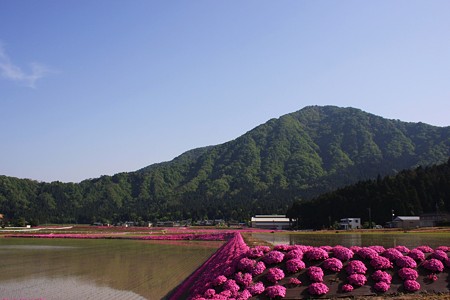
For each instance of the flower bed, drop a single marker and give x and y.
(295, 272)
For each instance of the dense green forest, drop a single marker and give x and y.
(295, 157)
(410, 192)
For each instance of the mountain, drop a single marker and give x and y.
(297, 156)
(409, 192)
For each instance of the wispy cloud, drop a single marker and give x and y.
(10, 71)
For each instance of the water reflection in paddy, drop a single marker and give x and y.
(96, 269)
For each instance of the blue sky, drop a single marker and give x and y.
(91, 88)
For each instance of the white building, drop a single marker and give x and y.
(271, 222)
(350, 223)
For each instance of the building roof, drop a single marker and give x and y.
(256, 219)
(407, 218)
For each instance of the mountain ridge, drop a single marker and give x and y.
(297, 156)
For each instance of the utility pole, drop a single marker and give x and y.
(370, 218)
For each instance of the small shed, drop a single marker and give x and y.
(406, 222)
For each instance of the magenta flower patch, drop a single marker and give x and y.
(406, 262)
(392, 254)
(256, 289)
(347, 288)
(381, 263)
(355, 267)
(318, 288)
(273, 257)
(274, 275)
(342, 253)
(433, 265)
(408, 274)
(316, 254)
(276, 291)
(357, 279)
(332, 264)
(294, 265)
(417, 255)
(381, 286)
(411, 285)
(379, 275)
(440, 255)
(258, 268)
(315, 274)
(367, 253)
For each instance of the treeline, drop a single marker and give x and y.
(410, 192)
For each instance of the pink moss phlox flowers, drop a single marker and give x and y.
(244, 295)
(294, 265)
(316, 254)
(417, 255)
(342, 253)
(258, 268)
(433, 265)
(294, 282)
(318, 288)
(209, 293)
(219, 280)
(246, 264)
(276, 291)
(315, 274)
(432, 277)
(231, 286)
(264, 249)
(402, 249)
(326, 248)
(440, 255)
(392, 254)
(356, 267)
(295, 253)
(379, 275)
(378, 249)
(273, 257)
(243, 279)
(406, 262)
(443, 248)
(357, 279)
(367, 253)
(255, 253)
(381, 286)
(274, 274)
(332, 264)
(408, 274)
(347, 288)
(281, 247)
(411, 285)
(381, 263)
(304, 248)
(256, 288)
(425, 249)
(355, 248)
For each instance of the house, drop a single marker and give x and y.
(271, 222)
(350, 223)
(406, 222)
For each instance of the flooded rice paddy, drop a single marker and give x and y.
(96, 269)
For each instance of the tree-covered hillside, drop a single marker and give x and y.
(410, 192)
(298, 156)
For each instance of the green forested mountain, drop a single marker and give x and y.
(298, 156)
(410, 192)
